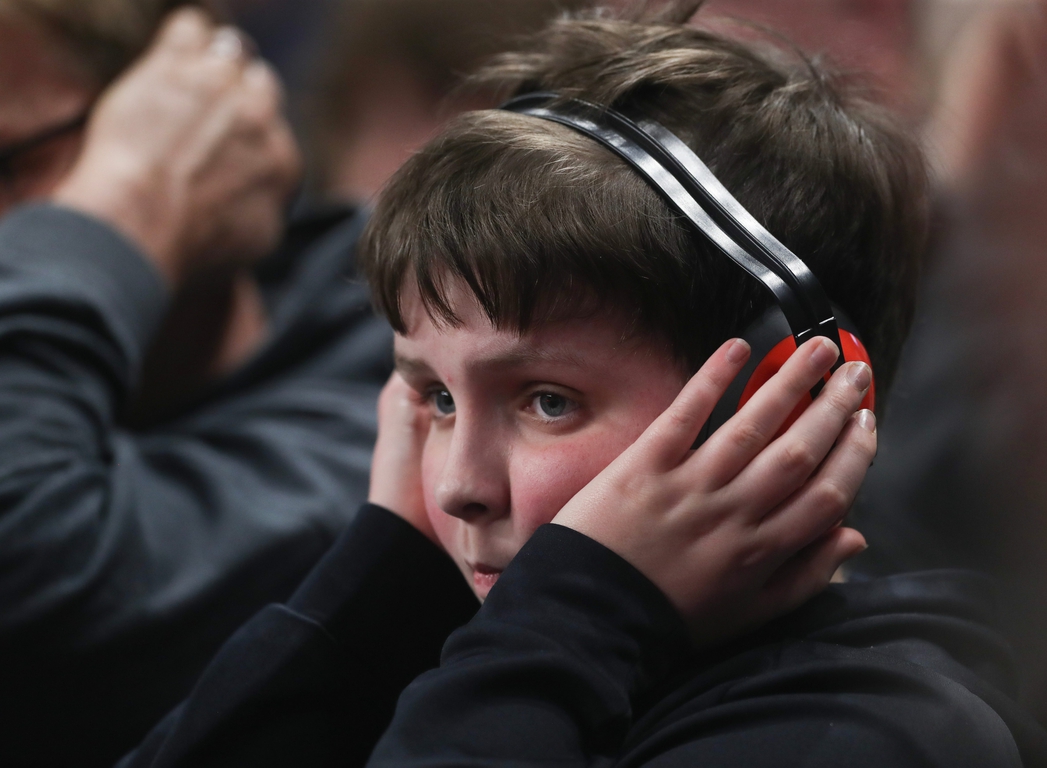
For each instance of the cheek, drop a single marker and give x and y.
(545, 478)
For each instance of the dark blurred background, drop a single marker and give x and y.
(365, 74)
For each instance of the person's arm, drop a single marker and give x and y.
(109, 546)
(78, 304)
(184, 166)
(548, 670)
(189, 154)
(668, 545)
(565, 664)
(314, 682)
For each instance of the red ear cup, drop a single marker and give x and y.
(772, 342)
(853, 350)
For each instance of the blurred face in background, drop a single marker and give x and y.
(866, 36)
(40, 90)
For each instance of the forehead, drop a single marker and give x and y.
(38, 84)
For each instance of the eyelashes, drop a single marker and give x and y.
(547, 406)
(441, 402)
(552, 406)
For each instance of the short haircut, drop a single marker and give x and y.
(543, 223)
(102, 36)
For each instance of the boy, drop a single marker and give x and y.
(550, 312)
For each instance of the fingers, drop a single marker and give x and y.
(190, 29)
(399, 409)
(669, 439)
(396, 482)
(261, 100)
(228, 44)
(825, 500)
(791, 459)
(732, 447)
(809, 572)
(186, 30)
(260, 80)
(261, 97)
(190, 35)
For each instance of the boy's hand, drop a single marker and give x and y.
(743, 529)
(396, 469)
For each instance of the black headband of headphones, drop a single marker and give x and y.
(674, 170)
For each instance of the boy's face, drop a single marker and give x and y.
(522, 423)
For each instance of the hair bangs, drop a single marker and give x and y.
(537, 221)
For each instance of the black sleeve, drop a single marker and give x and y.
(118, 547)
(547, 670)
(77, 307)
(315, 682)
(576, 659)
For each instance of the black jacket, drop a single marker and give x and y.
(577, 659)
(128, 557)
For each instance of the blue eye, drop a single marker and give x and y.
(553, 406)
(443, 402)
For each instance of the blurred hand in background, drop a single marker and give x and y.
(189, 153)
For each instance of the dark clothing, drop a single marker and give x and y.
(959, 479)
(577, 659)
(128, 557)
(314, 682)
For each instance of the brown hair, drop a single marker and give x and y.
(102, 36)
(533, 216)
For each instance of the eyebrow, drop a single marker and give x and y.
(409, 366)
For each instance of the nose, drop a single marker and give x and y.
(474, 481)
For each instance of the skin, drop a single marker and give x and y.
(504, 463)
(485, 434)
(188, 155)
(991, 94)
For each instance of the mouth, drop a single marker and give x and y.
(484, 577)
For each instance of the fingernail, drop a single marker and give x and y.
(824, 354)
(867, 420)
(227, 44)
(860, 375)
(738, 352)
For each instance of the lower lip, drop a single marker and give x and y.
(484, 580)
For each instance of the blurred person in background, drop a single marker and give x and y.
(186, 416)
(387, 81)
(961, 479)
(959, 482)
(873, 37)
(287, 33)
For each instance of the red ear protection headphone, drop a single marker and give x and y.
(802, 310)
